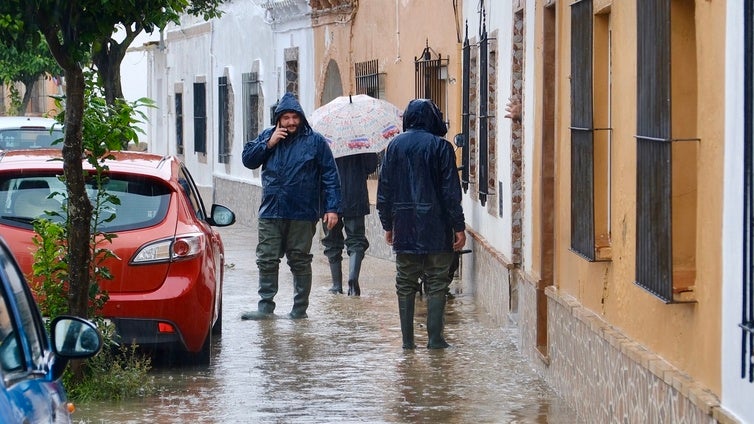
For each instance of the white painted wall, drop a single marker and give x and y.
(737, 393)
(229, 46)
(496, 229)
(527, 121)
(134, 74)
(190, 59)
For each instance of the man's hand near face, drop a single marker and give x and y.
(288, 123)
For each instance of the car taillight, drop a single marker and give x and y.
(179, 248)
(186, 247)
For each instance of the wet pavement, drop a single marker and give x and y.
(344, 364)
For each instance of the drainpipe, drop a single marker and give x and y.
(459, 71)
(397, 32)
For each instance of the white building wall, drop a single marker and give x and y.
(737, 393)
(134, 74)
(527, 121)
(495, 228)
(241, 38)
(190, 60)
(246, 34)
(297, 34)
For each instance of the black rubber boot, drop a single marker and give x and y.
(268, 288)
(406, 312)
(337, 277)
(435, 318)
(302, 286)
(354, 269)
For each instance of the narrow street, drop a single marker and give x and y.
(343, 364)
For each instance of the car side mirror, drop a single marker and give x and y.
(221, 216)
(74, 337)
(459, 140)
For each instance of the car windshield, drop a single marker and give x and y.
(29, 138)
(142, 202)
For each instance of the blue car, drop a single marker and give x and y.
(30, 363)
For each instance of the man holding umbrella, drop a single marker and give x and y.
(356, 127)
(353, 171)
(300, 186)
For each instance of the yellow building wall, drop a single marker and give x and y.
(685, 334)
(389, 31)
(41, 103)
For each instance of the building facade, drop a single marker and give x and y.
(608, 221)
(611, 256)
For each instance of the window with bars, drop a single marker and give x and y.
(200, 117)
(482, 158)
(465, 111)
(251, 106)
(430, 78)
(223, 118)
(590, 132)
(179, 123)
(582, 131)
(369, 81)
(291, 57)
(474, 66)
(747, 312)
(666, 150)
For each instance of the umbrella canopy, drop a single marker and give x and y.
(357, 124)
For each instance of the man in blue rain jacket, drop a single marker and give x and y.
(300, 185)
(419, 205)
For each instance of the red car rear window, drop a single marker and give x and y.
(138, 201)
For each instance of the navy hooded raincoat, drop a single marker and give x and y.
(299, 176)
(419, 191)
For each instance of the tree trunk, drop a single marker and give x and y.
(79, 206)
(107, 60)
(28, 90)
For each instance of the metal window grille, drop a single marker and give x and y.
(291, 77)
(430, 75)
(483, 164)
(747, 312)
(179, 122)
(654, 261)
(582, 131)
(465, 111)
(200, 117)
(368, 79)
(223, 118)
(251, 106)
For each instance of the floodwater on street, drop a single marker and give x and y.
(343, 364)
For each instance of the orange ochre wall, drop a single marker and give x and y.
(388, 30)
(687, 335)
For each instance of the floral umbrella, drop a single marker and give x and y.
(357, 124)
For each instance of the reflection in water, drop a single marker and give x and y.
(343, 364)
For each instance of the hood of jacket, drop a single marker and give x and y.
(423, 114)
(289, 103)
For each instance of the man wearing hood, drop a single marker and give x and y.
(300, 185)
(419, 205)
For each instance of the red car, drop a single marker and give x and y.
(167, 281)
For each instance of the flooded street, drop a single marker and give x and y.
(343, 364)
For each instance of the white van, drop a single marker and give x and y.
(29, 132)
